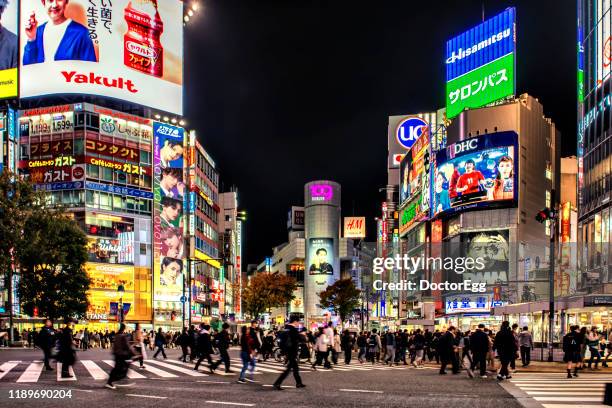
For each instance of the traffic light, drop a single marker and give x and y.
(545, 214)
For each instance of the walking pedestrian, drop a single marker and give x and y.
(204, 346)
(337, 349)
(183, 342)
(448, 351)
(505, 346)
(347, 342)
(223, 341)
(247, 355)
(85, 340)
(479, 343)
(139, 347)
(525, 344)
(46, 342)
(362, 343)
(67, 353)
(419, 348)
(122, 353)
(290, 340)
(571, 350)
(321, 347)
(160, 342)
(516, 341)
(390, 337)
(593, 345)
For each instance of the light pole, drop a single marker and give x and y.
(121, 291)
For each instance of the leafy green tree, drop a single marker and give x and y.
(266, 291)
(342, 297)
(51, 263)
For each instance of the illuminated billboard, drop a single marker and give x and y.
(414, 171)
(9, 51)
(129, 50)
(480, 64)
(478, 172)
(168, 251)
(354, 227)
(320, 259)
(494, 249)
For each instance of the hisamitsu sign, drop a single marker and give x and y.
(480, 64)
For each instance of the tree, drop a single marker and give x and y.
(51, 261)
(342, 297)
(267, 290)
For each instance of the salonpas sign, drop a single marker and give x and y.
(480, 64)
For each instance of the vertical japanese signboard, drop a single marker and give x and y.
(480, 64)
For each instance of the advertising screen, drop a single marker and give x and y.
(414, 171)
(494, 249)
(129, 50)
(169, 254)
(354, 227)
(320, 256)
(9, 52)
(480, 64)
(477, 172)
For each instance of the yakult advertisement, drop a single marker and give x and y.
(129, 50)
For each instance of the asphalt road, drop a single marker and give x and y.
(168, 383)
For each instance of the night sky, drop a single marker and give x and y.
(288, 91)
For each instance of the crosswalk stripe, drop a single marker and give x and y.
(568, 399)
(561, 393)
(259, 367)
(6, 367)
(32, 373)
(59, 373)
(130, 373)
(94, 370)
(573, 405)
(191, 373)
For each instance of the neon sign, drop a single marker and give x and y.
(321, 192)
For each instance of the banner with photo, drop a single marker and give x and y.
(494, 249)
(168, 225)
(129, 50)
(320, 256)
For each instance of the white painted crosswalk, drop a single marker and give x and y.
(34, 372)
(554, 390)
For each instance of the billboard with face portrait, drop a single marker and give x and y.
(493, 248)
(320, 257)
(9, 48)
(168, 226)
(129, 50)
(478, 172)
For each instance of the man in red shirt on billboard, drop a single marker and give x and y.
(469, 181)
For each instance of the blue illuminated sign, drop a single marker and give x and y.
(409, 130)
(485, 43)
(132, 192)
(69, 185)
(168, 131)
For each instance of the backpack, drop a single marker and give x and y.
(284, 340)
(372, 343)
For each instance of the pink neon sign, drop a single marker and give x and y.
(321, 192)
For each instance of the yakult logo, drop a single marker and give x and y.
(141, 50)
(409, 130)
(321, 192)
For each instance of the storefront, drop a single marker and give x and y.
(466, 311)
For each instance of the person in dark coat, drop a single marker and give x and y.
(183, 341)
(46, 341)
(505, 345)
(293, 344)
(67, 353)
(347, 342)
(223, 344)
(122, 353)
(479, 344)
(448, 351)
(204, 346)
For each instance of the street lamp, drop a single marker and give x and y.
(121, 291)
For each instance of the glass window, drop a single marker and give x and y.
(145, 157)
(78, 147)
(92, 171)
(105, 201)
(107, 174)
(117, 202)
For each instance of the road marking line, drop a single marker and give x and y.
(568, 399)
(213, 382)
(259, 367)
(191, 373)
(349, 390)
(130, 373)
(240, 404)
(6, 367)
(59, 373)
(94, 370)
(572, 405)
(561, 393)
(31, 373)
(145, 396)
(282, 386)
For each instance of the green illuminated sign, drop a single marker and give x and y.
(481, 86)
